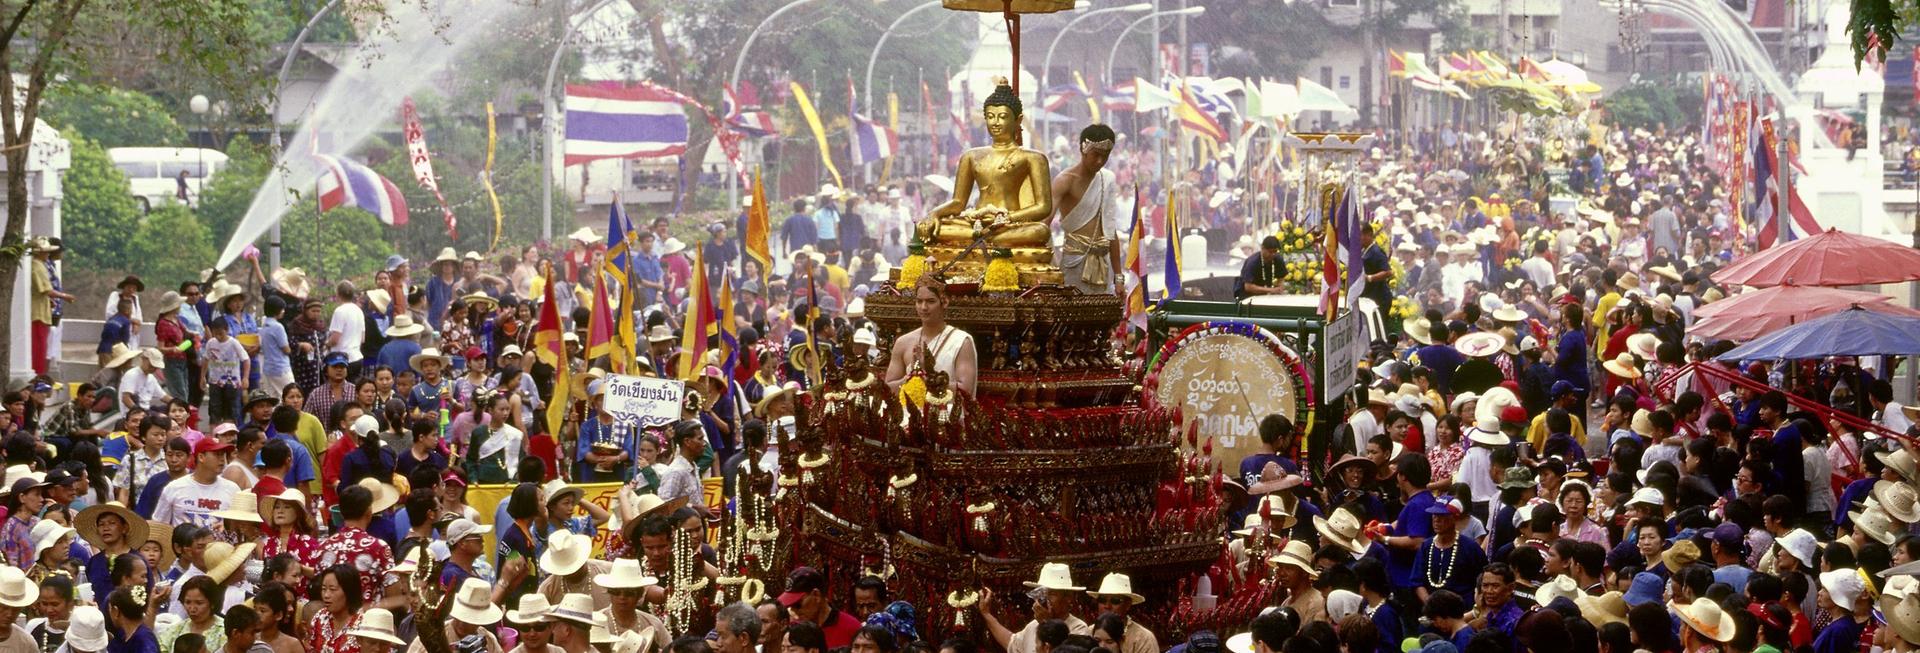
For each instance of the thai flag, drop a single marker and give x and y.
(872, 141)
(1056, 98)
(607, 121)
(1777, 226)
(346, 183)
(746, 117)
(1118, 97)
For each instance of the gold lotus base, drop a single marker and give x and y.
(1035, 264)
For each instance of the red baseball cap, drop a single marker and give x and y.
(799, 583)
(209, 445)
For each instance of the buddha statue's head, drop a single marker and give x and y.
(1002, 111)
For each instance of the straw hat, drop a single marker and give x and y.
(384, 495)
(1492, 437)
(1561, 586)
(292, 281)
(533, 609)
(478, 299)
(1299, 555)
(161, 533)
(223, 559)
(787, 389)
(474, 603)
(1282, 507)
(87, 629)
(1901, 463)
(120, 354)
(1421, 331)
(403, 326)
(379, 299)
(1350, 459)
(169, 303)
(1343, 529)
(566, 553)
(660, 333)
(672, 246)
(1509, 314)
(244, 506)
(1603, 609)
(1902, 612)
(1899, 500)
(377, 623)
(1117, 584)
(637, 641)
(1875, 522)
(583, 235)
(1643, 345)
(1055, 576)
(1479, 344)
(1704, 616)
(221, 290)
(16, 590)
(577, 608)
(1683, 553)
(626, 574)
(87, 523)
(650, 503)
(1623, 366)
(47, 533)
(1666, 270)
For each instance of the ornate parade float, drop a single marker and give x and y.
(1055, 458)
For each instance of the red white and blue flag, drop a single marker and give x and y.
(1056, 98)
(347, 183)
(872, 141)
(744, 114)
(1118, 97)
(1774, 223)
(611, 121)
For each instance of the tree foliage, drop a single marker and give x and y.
(1646, 105)
(99, 208)
(112, 117)
(170, 245)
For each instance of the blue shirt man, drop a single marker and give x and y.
(274, 361)
(827, 221)
(117, 331)
(799, 231)
(439, 294)
(647, 271)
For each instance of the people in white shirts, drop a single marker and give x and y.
(140, 385)
(1891, 414)
(347, 330)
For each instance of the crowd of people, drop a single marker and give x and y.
(269, 473)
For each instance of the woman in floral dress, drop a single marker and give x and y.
(307, 335)
(339, 612)
(290, 530)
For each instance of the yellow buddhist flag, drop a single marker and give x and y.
(819, 130)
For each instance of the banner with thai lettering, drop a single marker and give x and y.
(423, 162)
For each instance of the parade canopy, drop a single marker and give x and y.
(1753, 314)
(1833, 258)
(1855, 331)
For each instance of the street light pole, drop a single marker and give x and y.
(1046, 65)
(547, 108)
(733, 81)
(1115, 52)
(866, 91)
(273, 116)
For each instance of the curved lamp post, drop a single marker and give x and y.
(1115, 52)
(1046, 65)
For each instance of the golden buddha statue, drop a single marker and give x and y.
(1016, 194)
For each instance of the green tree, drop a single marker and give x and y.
(342, 243)
(171, 245)
(99, 208)
(112, 117)
(1649, 105)
(228, 194)
(45, 40)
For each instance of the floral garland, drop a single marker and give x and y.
(1305, 399)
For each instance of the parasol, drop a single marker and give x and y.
(1833, 258)
(1855, 331)
(1755, 313)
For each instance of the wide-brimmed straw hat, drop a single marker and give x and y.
(1421, 331)
(16, 590)
(625, 574)
(1623, 366)
(577, 608)
(1603, 609)
(566, 553)
(87, 523)
(1877, 524)
(377, 623)
(223, 559)
(1055, 576)
(1479, 344)
(1343, 529)
(120, 354)
(1117, 584)
(1704, 616)
(244, 506)
(385, 496)
(1644, 345)
(403, 326)
(1899, 500)
(474, 603)
(1298, 554)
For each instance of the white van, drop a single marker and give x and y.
(154, 172)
